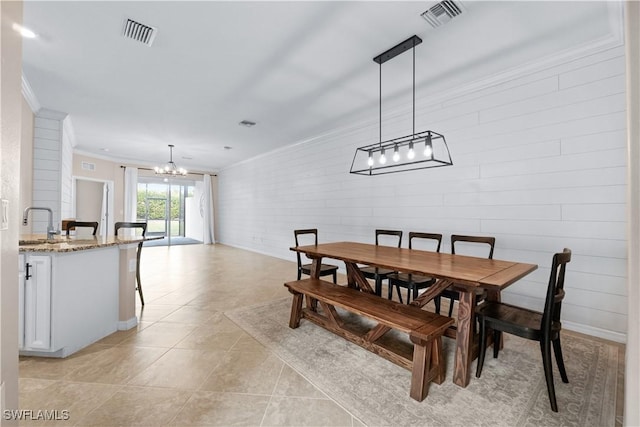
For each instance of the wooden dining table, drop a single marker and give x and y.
(466, 274)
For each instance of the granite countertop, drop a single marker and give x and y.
(39, 242)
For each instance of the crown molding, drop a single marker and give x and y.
(51, 114)
(30, 96)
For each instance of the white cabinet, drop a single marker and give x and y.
(35, 302)
(68, 300)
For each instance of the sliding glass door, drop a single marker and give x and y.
(166, 207)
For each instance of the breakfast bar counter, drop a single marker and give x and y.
(39, 242)
(74, 291)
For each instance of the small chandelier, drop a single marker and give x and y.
(427, 149)
(170, 168)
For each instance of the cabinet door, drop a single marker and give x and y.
(37, 302)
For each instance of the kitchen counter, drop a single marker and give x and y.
(39, 242)
(74, 291)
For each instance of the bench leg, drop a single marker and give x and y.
(420, 371)
(437, 361)
(296, 310)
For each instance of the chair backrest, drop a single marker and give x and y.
(74, 224)
(296, 233)
(426, 236)
(555, 290)
(118, 225)
(491, 241)
(396, 233)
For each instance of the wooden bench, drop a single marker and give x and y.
(425, 329)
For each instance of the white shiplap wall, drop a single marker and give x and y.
(46, 168)
(539, 163)
(52, 162)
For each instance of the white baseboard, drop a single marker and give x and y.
(125, 325)
(595, 332)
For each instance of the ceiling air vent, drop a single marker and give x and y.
(139, 32)
(442, 12)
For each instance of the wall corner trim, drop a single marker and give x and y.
(30, 96)
(68, 129)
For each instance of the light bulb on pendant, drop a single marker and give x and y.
(383, 158)
(411, 154)
(428, 148)
(396, 155)
(370, 161)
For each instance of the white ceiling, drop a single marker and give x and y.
(298, 69)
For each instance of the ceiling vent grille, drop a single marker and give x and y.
(88, 166)
(442, 12)
(139, 32)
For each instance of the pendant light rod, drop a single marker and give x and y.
(385, 56)
(414, 89)
(380, 115)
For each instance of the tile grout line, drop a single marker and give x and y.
(264, 415)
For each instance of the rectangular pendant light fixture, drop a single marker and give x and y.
(422, 150)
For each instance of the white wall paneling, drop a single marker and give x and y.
(539, 163)
(53, 142)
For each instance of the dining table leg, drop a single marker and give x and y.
(464, 338)
(356, 279)
(316, 263)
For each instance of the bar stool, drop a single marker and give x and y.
(134, 225)
(73, 224)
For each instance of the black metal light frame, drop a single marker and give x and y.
(372, 159)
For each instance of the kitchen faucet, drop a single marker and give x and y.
(50, 231)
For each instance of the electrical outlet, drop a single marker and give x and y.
(132, 265)
(4, 215)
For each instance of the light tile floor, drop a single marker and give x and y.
(186, 363)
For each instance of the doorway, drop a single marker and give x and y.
(92, 200)
(167, 207)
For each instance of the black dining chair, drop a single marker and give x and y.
(471, 243)
(376, 273)
(72, 225)
(414, 282)
(135, 225)
(325, 269)
(543, 327)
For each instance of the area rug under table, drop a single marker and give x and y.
(511, 392)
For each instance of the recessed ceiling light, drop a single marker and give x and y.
(24, 32)
(226, 147)
(247, 123)
(104, 149)
(187, 158)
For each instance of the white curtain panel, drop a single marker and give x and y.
(130, 195)
(206, 208)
